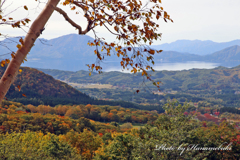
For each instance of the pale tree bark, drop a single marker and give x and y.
(33, 33)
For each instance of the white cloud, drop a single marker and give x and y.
(216, 20)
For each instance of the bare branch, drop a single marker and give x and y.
(59, 10)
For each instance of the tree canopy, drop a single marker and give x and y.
(133, 22)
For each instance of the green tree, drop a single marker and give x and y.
(35, 145)
(171, 136)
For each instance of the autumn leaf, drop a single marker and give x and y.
(3, 63)
(25, 7)
(21, 41)
(24, 95)
(19, 46)
(20, 70)
(151, 52)
(12, 55)
(19, 88)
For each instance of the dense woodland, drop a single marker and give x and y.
(35, 87)
(191, 114)
(113, 128)
(69, 132)
(218, 86)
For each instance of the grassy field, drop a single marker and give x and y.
(98, 86)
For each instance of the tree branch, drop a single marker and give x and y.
(59, 10)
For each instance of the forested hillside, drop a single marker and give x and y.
(32, 86)
(63, 132)
(219, 86)
(194, 79)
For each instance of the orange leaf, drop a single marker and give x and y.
(19, 88)
(12, 54)
(7, 60)
(21, 41)
(151, 51)
(2, 63)
(24, 95)
(19, 46)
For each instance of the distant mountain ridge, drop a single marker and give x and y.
(196, 79)
(71, 53)
(196, 46)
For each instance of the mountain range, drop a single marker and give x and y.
(196, 46)
(71, 53)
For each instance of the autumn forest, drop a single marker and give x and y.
(94, 114)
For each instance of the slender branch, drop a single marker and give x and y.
(69, 20)
(59, 10)
(90, 22)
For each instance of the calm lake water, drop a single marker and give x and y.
(176, 66)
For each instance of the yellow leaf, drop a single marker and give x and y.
(19, 46)
(20, 70)
(90, 73)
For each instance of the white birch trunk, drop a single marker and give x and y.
(33, 33)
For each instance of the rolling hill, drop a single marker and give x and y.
(218, 86)
(195, 79)
(40, 88)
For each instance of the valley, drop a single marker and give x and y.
(71, 105)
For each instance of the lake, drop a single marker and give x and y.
(175, 66)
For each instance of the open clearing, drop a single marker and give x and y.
(99, 86)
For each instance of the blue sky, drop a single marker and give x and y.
(216, 20)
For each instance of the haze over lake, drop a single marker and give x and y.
(175, 66)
